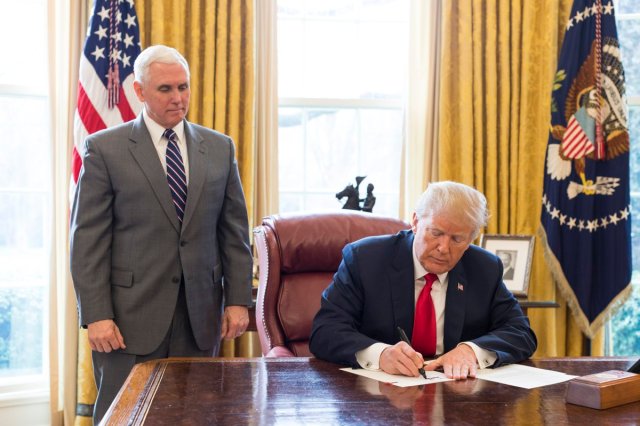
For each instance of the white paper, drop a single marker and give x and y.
(399, 380)
(523, 376)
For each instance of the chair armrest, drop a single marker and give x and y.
(279, 352)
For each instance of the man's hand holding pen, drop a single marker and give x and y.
(401, 359)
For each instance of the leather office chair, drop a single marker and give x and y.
(298, 255)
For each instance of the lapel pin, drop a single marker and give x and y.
(460, 287)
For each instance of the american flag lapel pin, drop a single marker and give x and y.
(460, 287)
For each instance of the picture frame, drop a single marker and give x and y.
(516, 253)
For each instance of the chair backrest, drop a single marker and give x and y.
(298, 255)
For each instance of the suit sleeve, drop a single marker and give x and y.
(233, 235)
(510, 336)
(335, 334)
(90, 235)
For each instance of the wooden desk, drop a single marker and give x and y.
(208, 391)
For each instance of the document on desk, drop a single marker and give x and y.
(523, 376)
(399, 380)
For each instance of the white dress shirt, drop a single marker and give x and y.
(156, 132)
(369, 358)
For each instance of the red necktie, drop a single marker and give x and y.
(423, 338)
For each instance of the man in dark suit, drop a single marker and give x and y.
(154, 260)
(473, 320)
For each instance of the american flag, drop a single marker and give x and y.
(105, 87)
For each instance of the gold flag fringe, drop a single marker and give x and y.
(589, 329)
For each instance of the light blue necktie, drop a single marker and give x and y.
(176, 176)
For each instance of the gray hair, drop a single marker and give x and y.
(454, 199)
(157, 53)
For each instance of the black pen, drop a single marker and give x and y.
(404, 338)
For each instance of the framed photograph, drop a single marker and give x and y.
(516, 253)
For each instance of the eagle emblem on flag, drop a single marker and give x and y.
(584, 112)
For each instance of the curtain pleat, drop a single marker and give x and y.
(419, 152)
(498, 62)
(67, 23)
(266, 153)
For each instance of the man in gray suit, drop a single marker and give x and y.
(152, 272)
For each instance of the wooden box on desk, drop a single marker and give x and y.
(604, 390)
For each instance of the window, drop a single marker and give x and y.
(25, 195)
(342, 68)
(624, 332)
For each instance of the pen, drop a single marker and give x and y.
(404, 338)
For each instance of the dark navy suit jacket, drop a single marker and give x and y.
(373, 292)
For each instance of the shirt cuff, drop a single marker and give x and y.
(484, 357)
(369, 358)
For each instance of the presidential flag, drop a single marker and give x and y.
(105, 87)
(585, 220)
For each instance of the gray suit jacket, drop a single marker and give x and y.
(128, 250)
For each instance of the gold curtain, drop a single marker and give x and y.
(217, 39)
(499, 58)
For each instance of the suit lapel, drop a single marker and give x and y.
(455, 307)
(402, 285)
(145, 154)
(197, 171)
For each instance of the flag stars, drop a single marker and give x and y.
(613, 218)
(128, 40)
(130, 21)
(101, 32)
(594, 9)
(586, 11)
(624, 214)
(608, 9)
(126, 60)
(586, 224)
(579, 17)
(130, 3)
(98, 53)
(117, 36)
(118, 17)
(104, 13)
(569, 23)
(115, 54)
